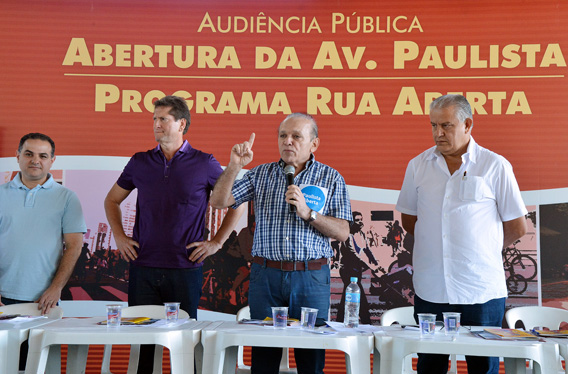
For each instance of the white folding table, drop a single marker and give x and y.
(78, 333)
(395, 343)
(12, 335)
(221, 340)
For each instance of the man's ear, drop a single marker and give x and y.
(468, 125)
(315, 144)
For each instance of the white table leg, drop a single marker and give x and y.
(182, 352)
(213, 356)
(387, 353)
(355, 365)
(547, 365)
(181, 362)
(37, 354)
(10, 352)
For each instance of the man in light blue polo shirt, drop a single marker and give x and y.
(37, 216)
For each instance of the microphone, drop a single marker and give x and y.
(289, 170)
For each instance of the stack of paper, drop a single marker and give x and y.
(505, 334)
(551, 333)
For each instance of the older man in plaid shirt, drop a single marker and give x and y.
(291, 246)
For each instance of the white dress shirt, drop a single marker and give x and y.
(458, 236)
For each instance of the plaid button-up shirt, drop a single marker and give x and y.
(281, 235)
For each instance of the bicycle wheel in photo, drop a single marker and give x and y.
(524, 265)
(516, 284)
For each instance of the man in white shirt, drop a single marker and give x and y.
(463, 205)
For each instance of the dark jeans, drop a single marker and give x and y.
(24, 347)
(487, 314)
(156, 286)
(295, 289)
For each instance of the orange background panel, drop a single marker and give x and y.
(40, 94)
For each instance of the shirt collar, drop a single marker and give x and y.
(185, 148)
(309, 163)
(471, 152)
(17, 182)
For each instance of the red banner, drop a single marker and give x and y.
(86, 72)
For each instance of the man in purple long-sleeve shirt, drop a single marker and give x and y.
(174, 181)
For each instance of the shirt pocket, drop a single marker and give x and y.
(472, 188)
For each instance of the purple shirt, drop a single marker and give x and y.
(171, 205)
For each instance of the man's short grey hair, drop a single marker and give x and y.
(459, 101)
(306, 117)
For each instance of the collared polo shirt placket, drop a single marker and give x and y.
(31, 195)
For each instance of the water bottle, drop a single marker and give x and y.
(352, 302)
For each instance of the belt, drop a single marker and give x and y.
(291, 265)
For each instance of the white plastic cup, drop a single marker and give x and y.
(172, 312)
(427, 324)
(451, 323)
(308, 318)
(114, 312)
(280, 316)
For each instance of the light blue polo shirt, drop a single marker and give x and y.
(32, 224)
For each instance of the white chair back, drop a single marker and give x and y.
(402, 316)
(536, 316)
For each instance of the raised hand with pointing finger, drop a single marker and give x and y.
(242, 154)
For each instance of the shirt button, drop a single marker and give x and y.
(287, 238)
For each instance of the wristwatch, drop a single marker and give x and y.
(313, 216)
